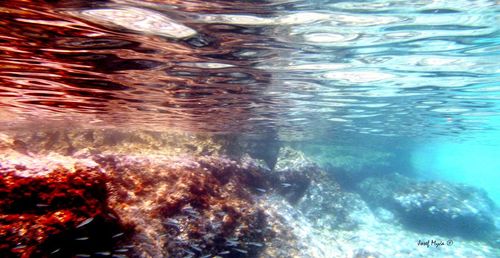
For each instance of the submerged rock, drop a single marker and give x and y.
(434, 207)
(351, 164)
(141, 206)
(316, 194)
(294, 172)
(328, 207)
(192, 205)
(187, 206)
(86, 142)
(61, 213)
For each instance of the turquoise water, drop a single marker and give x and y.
(474, 162)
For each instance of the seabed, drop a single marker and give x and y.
(112, 193)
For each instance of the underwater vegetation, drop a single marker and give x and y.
(104, 203)
(59, 214)
(95, 204)
(187, 206)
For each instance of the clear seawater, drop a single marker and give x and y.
(384, 86)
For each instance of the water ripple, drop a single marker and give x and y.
(287, 67)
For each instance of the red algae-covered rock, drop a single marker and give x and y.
(59, 214)
(186, 206)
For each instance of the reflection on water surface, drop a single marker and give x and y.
(378, 67)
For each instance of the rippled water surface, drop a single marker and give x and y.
(294, 67)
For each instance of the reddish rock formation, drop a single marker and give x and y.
(61, 214)
(135, 206)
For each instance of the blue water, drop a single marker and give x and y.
(471, 161)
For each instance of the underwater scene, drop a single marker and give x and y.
(249, 128)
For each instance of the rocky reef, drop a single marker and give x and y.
(183, 201)
(432, 206)
(350, 164)
(59, 214)
(187, 206)
(315, 193)
(142, 206)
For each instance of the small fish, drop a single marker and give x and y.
(352, 238)
(117, 235)
(196, 248)
(224, 252)
(128, 246)
(255, 244)
(103, 253)
(260, 190)
(82, 255)
(216, 224)
(55, 251)
(82, 239)
(189, 252)
(286, 184)
(85, 222)
(205, 256)
(112, 216)
(122, 250)
(41, 205)
(240, 250)
(173, 225)
(173, 221)
(119, 256)
(189, 209)
(232, 243)
(196, 216)
(20, 247)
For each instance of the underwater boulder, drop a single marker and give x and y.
(265, 148)
(57, 212)
(351, 164)
(294, 173)
(328, 207)
(318, 196)
(187, 206)
(113, 140)
(434, 207)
